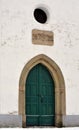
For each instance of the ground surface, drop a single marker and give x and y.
(70, 128)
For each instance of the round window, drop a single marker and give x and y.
(40, 15)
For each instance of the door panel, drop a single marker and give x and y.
(40, 97)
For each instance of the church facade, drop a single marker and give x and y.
(39, 63)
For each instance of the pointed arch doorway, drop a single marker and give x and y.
(40, 97)
(57, 97)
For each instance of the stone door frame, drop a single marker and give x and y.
(60, 101)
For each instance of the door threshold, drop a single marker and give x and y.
(41, 127)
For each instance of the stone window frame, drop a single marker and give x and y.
(60, 100)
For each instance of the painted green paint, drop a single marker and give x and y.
(40, 97)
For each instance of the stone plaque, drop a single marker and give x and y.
(42, 37)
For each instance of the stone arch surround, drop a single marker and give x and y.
(60, 102)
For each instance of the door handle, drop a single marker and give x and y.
(41, 99)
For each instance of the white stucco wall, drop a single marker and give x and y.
(16, 48)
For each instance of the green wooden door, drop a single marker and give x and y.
(40, 97)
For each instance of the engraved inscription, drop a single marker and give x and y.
(41, 37)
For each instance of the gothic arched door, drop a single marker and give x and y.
(40, 97)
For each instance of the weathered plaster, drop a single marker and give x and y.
(16, 48)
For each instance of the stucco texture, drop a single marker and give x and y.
(16, 48)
